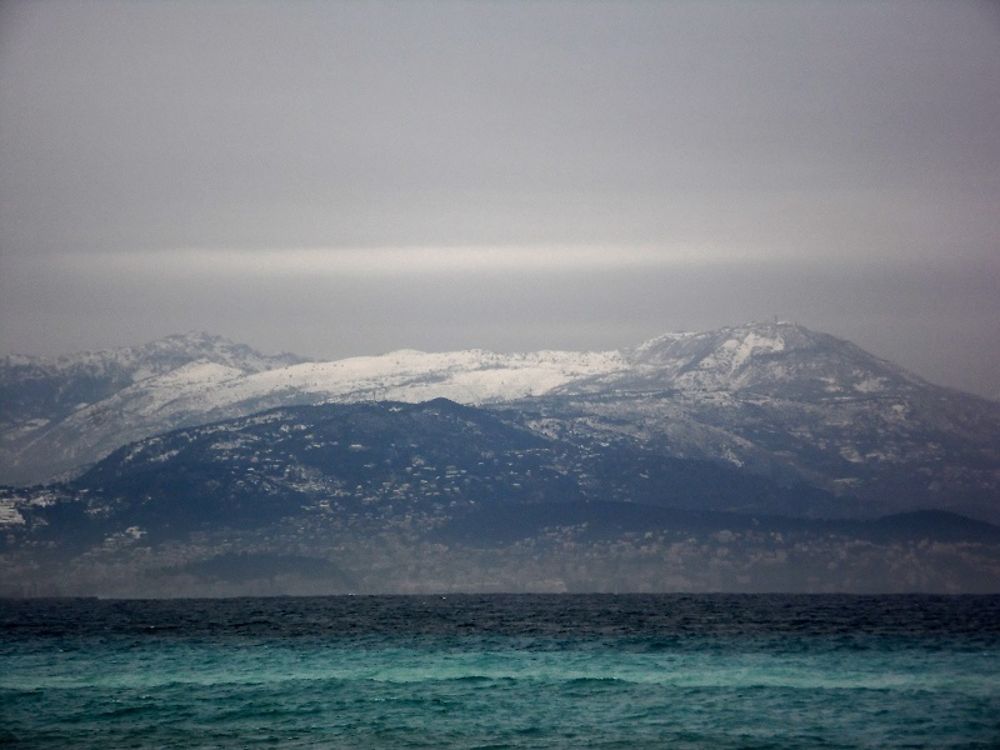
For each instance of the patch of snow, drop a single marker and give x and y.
(850, 454)
(661, 341)
(870, 385)
(43, 499)
(9, 514)
(162, 457)
(753, 344)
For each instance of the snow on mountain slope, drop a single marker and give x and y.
(206, 391)
(98, 429)
(764, 357)
(38, 394)
(471, 376)
(797, 405)
(139, 362)
(771, 398)
(48, 387)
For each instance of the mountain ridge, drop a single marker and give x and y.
(773, 399)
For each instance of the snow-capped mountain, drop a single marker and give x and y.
(44, 387)
(779, 400)
(778, 358)
(37, 394)
(771, 399)
(207, 388)
(762, 457)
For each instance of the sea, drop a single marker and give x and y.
(502, 671)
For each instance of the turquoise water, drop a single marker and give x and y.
(494, 672)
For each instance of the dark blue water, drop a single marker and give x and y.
(503, 672)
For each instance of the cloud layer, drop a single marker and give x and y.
(583, 173)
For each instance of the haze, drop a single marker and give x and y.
(347, 178)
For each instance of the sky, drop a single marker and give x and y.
(337, 179)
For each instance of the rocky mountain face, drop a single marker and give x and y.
(437, 496)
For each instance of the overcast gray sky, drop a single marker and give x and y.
(348, 178)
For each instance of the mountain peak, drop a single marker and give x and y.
(197, 340)
(736, 344)
(774, 356)
(778, 331)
